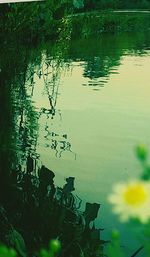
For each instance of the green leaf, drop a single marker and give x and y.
(78, 3)
(114, 248)
(55, 246)
(141, 152)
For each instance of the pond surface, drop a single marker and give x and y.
(94, 109)
(84, 108)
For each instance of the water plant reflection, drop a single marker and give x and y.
(42, 212)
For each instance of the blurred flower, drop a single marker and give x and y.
(132, 200)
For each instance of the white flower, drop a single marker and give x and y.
(132, 200)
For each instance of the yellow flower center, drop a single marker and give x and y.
(135, 194)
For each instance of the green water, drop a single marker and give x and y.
(101, 114)
(80, 110)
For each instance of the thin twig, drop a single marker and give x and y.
(137, 251)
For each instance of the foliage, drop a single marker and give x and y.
(100, 4)
(89, 24)
(115, 4)
(36, 20)
(54, 248)
(78, 3)
(114, 248)
(7, 252)
(41, 20)
(142, 155)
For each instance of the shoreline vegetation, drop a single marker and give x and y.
(32, 208)
(36, 22)
(115, 22)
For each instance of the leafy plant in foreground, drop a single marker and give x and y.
(7, 252)
(53, 250)
(114, 248)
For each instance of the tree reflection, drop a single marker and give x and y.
(102, 55)
(52, 65)
(19, 119)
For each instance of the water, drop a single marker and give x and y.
(83, 114)
(99, 113)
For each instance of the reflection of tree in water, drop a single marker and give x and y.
(19, 131)
(99, 67)
(27, 118)
(18, 137)
(13, 100)
(19, 119)
(49, 73)
(102, 55)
